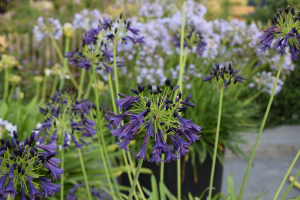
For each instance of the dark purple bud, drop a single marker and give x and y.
(121, 15)
(2, 141)
(51, 155)
(162, 123)
(150, 86)
(23, 171)
(287, 9)
(189, 103)
(171, 86)
(36, 162)
(122, 95)
(135, 91)
(175, 114)
(148, 104)
(15, 134)
(19, 168)
(32, 152)
(176, 87)
(168, 81)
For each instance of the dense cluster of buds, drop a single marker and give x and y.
(227, 74)
(192, 39)
(23, 162)
(95, 44)
(161, 116)
(285, 30)
(65, 117)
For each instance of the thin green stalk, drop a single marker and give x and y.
(11, 93)
(133, 171)
(112, 93)
(8, 197)
(83, 171)
(103, 144)
(260, 131)
(162, 165)
(54, 85)
(37, 91)
(61, 57)
(181, 45)
(136, 176)
(62, 176)
(44, 87)
(216, 145)
(87, 93)
(81, 83)
(6, 84)
(291, 185)
(115, 69)
(178, 177)
(65, 63)
(286, 175)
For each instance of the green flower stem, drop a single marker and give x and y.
(54, 85)
(136, 176)
(115, 70)
(61, 57)
(8, 197)
(286, 175)
(86, 95)
(112, 93)
(44, 87)
(162, 165)
(260, 131)
(62, 176)
(65, 63)
(11, 93)
(133, 171)
(216, 145)
(178, 177)
(83, 171)
(181, 45)
(6, 84)
(291, 185)
(37, 90)
(101, 145)
(81, 83)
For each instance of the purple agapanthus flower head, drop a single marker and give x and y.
(285, 31)
(226, 75)
(161, 118)
(69, 118)
(194, 38)
(25, 162)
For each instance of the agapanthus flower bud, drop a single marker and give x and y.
(227, 74)
(159, 116)
(285, 31)
(22, 165)
(62, 124)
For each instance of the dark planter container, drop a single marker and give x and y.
(187, 176)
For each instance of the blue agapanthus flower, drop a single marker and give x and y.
(65, 118)
(193, 39)
(285, 31)
(74, 194)
(160, 116)
(226, 73)
(24, 163)
(99, 38)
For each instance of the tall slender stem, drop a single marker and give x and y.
(216, 145)
(62, 176)
(106, 165)
(133, 171)
(81, 83)
(291, 185)
(6, 83)
(260, 130)
(178, 177)
(65, 63)
(44, 87)
(181, 45)
(11, 93)
(112, 93)
(61, 57)
(54, 85)
(37, 91)
(136, 176)
(87, 93)
(180, 89)
(115, 70)
(8, 197)
(286, 175)
(83, 171)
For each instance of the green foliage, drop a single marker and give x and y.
(286, 105)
